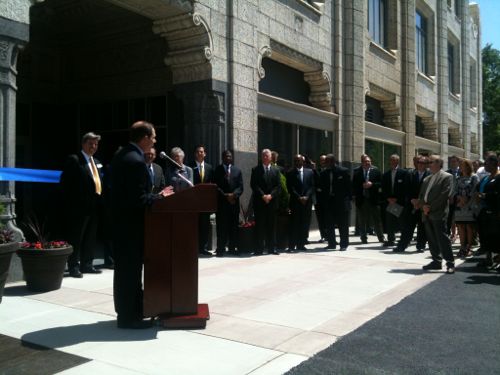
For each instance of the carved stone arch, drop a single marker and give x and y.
(429, 121)
(190, 46)
(314, 73)
(320, 96)
(264, 51)
(390, 103)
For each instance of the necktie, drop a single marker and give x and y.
(151, 174)
(202, 173)
(95, 176)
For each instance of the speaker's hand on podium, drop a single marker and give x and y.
(169, 190)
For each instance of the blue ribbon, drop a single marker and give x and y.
(30, 175)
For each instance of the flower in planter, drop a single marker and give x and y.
(40, 236)
(44, 245)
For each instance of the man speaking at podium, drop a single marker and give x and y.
(130, 194)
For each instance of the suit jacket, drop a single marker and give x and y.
(438, 196)
(374, 192)
(415, 184)
(158, 178)
(262, 186)
(228, 184)
(341, 190)
(208, 176)
(297, 188)
(172, 178)
(400, 188)
(78, 186)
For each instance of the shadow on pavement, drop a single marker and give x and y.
(103, 331)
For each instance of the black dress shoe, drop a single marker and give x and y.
(398, 250)
(134, 324)
(205, 252)
(273, 252)
(389, 243)
(364, 241)
(432, 266)
(90, 270)
(420, 250)
(257, 253)
(301, 248)
(76, 274)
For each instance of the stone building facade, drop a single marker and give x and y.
(375, 76)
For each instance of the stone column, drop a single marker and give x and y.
(408, 78)
(352, 126)
(442, 76)
(465, 78)
(190, 57)
(12, 37)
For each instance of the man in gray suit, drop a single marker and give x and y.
(433, 199)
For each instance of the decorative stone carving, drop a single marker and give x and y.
(293, 58)
(429, 122)
(190, 46)
(265, 51)
(454, 136)
(390, 103)
(319, 83)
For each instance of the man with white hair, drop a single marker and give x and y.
(433, 200)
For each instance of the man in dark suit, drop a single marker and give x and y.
(130, 193)
(266, 185)
(203, 173)
(229, 181)
(414, 218)
(367, 188)
(300, 184)
(433, 200)
(155, 171)
(335, 184)
(394, 188)
(82, 189)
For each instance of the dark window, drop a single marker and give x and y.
(419, 126)
(451, 68)
(374, 112)
(457, 8)
(284, 82)
(421, 42)
(380, 153)
(377, 20)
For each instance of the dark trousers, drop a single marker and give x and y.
(488, 224)
(439, 242)
(265, 224)
(127, 279)
(320, 216)
(203, 230)
(337, 214)
(227, 218)
(82, 233)
(300, 222)
(392, 224)
(414, 219)
(368, 216)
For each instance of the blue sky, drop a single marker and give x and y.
(490, 19)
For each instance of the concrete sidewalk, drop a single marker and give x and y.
(268, 313)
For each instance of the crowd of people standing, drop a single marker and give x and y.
(438, 204)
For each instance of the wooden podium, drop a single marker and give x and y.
(171, 257)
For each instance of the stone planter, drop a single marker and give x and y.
(44, 268)
(6, 251)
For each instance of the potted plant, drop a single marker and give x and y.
(283, 218)
(7, 247)
(43, 261)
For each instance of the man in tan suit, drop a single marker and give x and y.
(433, 199)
